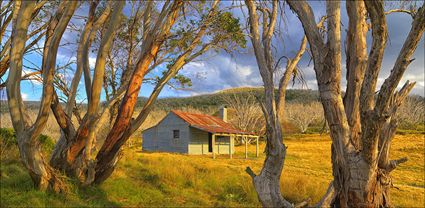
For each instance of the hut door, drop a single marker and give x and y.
(209, 142)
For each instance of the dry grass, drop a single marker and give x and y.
(223, 182)
(308, 169)
(165, 179)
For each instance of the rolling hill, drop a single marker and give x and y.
(217, 99)
(201, 101)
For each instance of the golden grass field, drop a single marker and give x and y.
(164, 179)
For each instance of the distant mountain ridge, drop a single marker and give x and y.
(203, 101)
(217, 98)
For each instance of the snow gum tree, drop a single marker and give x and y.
(160, 36)
(362, 122)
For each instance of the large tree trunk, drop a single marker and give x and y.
(267, 183)
(361, 186)
(58, 158)
(361, 128)
(43, 176)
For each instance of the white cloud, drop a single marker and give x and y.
(219, 73)
(24, 96)
(92, 62)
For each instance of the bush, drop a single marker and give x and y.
(7, 136)
(8, 139)
(47, 143)
(7, 142)
(420, 127)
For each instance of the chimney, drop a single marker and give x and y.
(223, 113)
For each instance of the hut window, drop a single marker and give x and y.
(176, 134)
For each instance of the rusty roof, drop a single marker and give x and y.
(208, 123)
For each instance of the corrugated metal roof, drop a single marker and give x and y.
(208, 123)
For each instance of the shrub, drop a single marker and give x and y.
(8, 139)
(7, 136)
(47, 143)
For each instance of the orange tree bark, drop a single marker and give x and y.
(106, 158)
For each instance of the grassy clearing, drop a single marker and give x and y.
(163, 179)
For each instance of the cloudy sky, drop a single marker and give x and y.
(219, 70)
